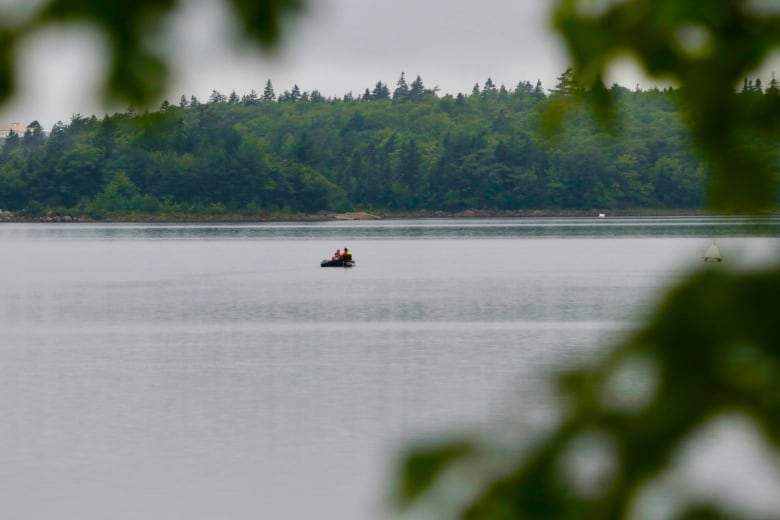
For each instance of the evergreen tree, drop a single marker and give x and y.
(524, 88)
(295, 95)
(59, 139)
(416, 90)
(10, 144)
(33, 135)
(489, 88)
(538, 90)
(381, 91)
(250, 99)
(568, 84)
(774, 86)
(503, 93)
(268, 92)
(217, 97)
(401, 92)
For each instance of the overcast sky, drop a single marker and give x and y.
(337, 46)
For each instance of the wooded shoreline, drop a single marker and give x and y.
(9, 217)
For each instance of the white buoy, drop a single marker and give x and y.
(713, 253)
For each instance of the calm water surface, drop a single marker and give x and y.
(216, 371)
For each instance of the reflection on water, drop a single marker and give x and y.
(199, 371)
(520, 227)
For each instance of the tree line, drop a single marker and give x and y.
(402, 149)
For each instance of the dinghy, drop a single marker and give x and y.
(337, 262)
(339, 259)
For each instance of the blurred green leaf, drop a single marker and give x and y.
(420, 468)
(138, 69)
(6, 64)
(261, 20)
(707, 48)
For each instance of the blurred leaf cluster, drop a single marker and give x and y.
(137, 68)
(711, 350)
(708, 48)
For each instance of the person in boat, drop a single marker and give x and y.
(336, 255)
(347, 256)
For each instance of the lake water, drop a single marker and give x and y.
(216, 371)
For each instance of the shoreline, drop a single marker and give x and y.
(9, 217)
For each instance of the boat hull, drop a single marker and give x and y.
(337, 263)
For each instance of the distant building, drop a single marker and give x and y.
(15, 127)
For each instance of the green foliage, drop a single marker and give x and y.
(424, 466)
(708, 48)
(138, 70)
(423, 152)
(116, 198)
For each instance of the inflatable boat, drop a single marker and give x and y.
(337, 262)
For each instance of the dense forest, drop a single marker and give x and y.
(399, 149)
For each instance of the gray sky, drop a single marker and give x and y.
(338, 46)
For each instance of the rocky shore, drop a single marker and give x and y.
(8, 216)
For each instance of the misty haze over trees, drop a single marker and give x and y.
(390, 148)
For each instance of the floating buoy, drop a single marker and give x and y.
(713, 253)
